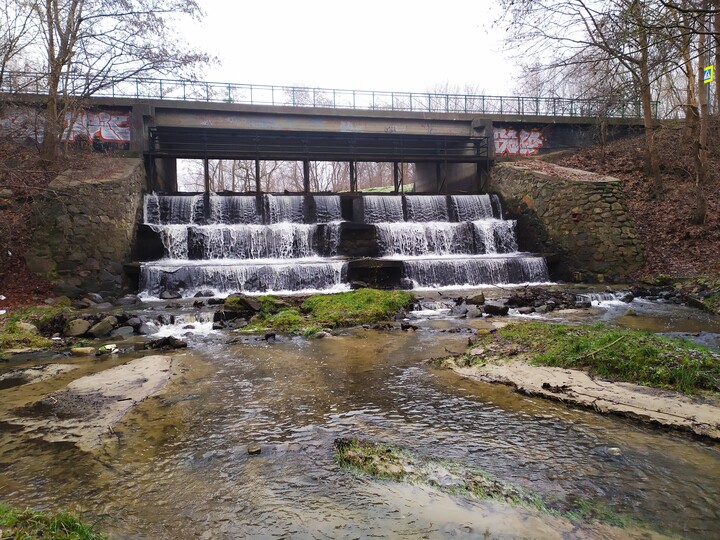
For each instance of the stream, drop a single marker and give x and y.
(178, 466)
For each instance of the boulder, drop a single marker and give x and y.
(95, 297)
(104, 306)
(123, 331)
(27, 328)
(147, 329)
(626, 297)
(477, 300)
(127, 300)
(135, 322)
(527, 310)
(166, 343)
(170, 294)
(77, 328)
(204, 294)
(459, 311)
(495, 309)
(104, 327)
(240, 302)
(82, 351)
(406, 284)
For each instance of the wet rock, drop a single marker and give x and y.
(166, 343)
(95, 297)
(408, 326)
(104, 327)
(135, 322)
(218, 326)
(241, 302)
(82, 351)
(170, 294)
(527, 310)
(123, 331)
(76, 328)
(127, 300)
(215, 301)
(626, 297)
(198, 304)
(104, 306)
(477, 300)
(542, 309)
(204, 294)
(173, 305)
(320, 335)
(165, 319)
(630, 313)
(254, 450)
(354, 285)
(583, 304)
(147, 329)
(459, 311)
(406, 284)
(270, 336)
(83, 303)
(27, 328)
(492, 308)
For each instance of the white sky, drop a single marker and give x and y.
(395, 45)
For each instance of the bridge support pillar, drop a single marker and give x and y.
(450, 177)
(306, 176)
(258, 185)
(396, 176)
(165, 175)
(353, 177)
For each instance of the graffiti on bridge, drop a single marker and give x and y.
(511, 142)
(93, 127)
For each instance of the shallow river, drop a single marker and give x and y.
(178, 467)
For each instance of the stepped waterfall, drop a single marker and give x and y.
(295, 243)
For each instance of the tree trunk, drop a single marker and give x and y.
(652, 159)
(701, 140)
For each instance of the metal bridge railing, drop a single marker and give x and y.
(254, 94)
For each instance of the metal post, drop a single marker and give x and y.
(396, 176)
(306, 176)
(206, 171)
(258, 187)
(353, 177)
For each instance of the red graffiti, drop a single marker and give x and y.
(510, 142)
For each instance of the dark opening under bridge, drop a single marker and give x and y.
(451, 138)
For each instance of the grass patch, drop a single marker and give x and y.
(614, 353)
(364, 306)
(45, 318)
(30, 524)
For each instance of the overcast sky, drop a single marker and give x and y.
(393, 45)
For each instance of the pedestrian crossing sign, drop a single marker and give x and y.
(708, 74)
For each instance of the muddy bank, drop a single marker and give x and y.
(700, 416)
(85, 411)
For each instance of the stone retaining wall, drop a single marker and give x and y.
(580, 216)
(84, 231)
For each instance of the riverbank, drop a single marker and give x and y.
(30, 524)
(666, 382)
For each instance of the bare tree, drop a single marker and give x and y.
(86, 45)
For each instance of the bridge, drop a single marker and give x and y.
(451, 138)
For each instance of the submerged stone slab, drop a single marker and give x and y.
(86, 410)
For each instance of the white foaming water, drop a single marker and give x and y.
(472, 207)
(285, 208)
(413, 239)
(327, 208)
(277, 241)
(234, 209)
(495, 236)
(174, 239)
(172, 209)
(476, 271)
(426, 208)
(383, 209)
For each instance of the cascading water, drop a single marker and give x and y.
(477, 247)
(242, 243)
(229, 243)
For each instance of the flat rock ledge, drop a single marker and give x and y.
(85, 411)
(651, 405)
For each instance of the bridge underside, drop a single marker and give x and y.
(189, 143)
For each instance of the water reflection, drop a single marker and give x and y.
(179, 467)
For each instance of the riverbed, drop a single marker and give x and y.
(178, 465)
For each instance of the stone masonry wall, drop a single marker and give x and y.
(85, 229)
(580, 216)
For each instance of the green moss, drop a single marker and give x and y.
(606, 351)
(47, 319)
(33, 525)
(364, 306)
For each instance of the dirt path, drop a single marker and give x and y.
(659, 407)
